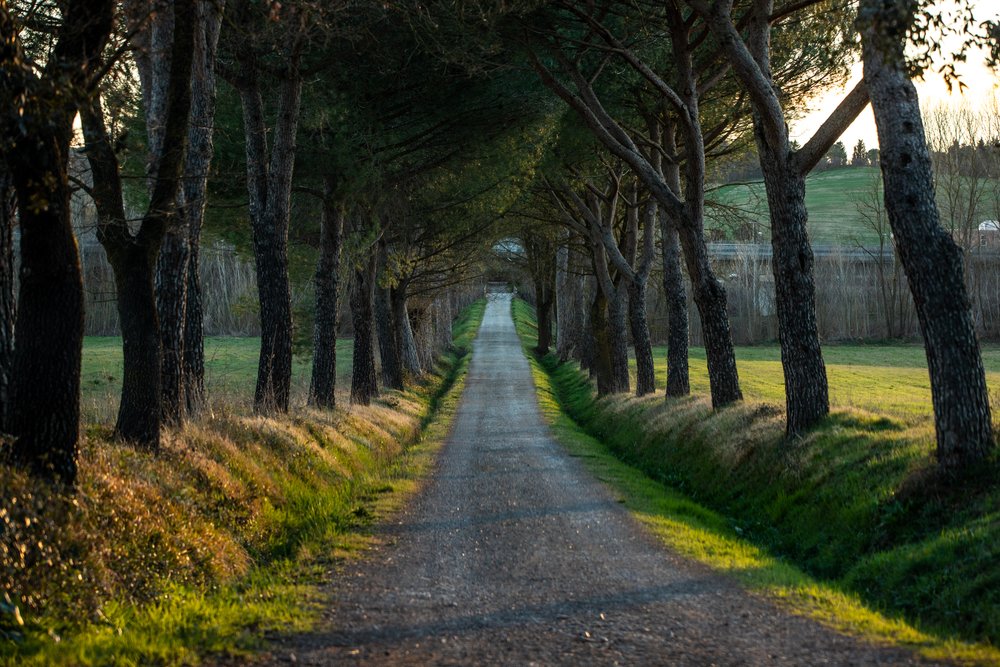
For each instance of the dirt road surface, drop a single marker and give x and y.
(515, 555)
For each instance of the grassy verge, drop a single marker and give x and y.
(219, 542)
(837, 526)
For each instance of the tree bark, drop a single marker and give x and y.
(543, 312)
(364, 384)
(645, 381)
(322, 386)
(8, 304)
(568, 301)
(406, 344)
(601, 364)
(36, 116)
(678, 376)
(269, 185)
(386, 331)
(931, 259)
(178, 288)
(617, 333)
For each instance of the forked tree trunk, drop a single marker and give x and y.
(932, 260)
(322, 386)
(364, 384)
(178, 288)
(8, 304)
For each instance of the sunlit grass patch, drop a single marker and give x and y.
(832, 525)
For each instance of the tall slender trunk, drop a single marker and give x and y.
(543, 312)
(269, 185)
(364, 384)
(568, 288)
(617, 333)
(322, 386)
(678, 376)
(931, 259)
(8, 304)
(406, 344)
(385, 328)
(645, 380)
(178, 289)
(601, 363)
(807, 397)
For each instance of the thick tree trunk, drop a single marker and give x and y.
(364, 384)
(139, 411)
(931, 259)
(44, 414)
(645, 382)
(37, 109)
(601, 364)
(806, 392)
(178, 288)
(274, 370)
(322, 386)
(8, 304)
(406, 344)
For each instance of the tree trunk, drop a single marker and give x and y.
(678, 377)
(8, 305)
(322, 386)
(568, 302)
(806, 392)
(139, 411)
(931, 259)
(37, 109)
(269, 185)
(617, 333)
(543, 312)
(178, 289)
(601, 364)
(645, 382)
(385, 328)
(44, 414)
(406, 344)
(710, 297)
(364, 385)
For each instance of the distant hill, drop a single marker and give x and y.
(832, 197)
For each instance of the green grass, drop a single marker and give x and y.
(221, 541)
(847, 525)
(230, 373)
(889, 379)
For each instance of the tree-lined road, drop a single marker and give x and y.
(514, 554)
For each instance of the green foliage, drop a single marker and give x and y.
(221, 540)
(854, 503)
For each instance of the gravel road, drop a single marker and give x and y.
(514, 554)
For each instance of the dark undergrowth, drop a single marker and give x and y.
(856, 503)
(222, 540)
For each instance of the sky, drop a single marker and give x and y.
(981, 82)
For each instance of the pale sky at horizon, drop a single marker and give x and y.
(981, 81)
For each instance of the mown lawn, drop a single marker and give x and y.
(888, 379)
(230, 373)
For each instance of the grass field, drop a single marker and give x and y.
(831, 197)
(230, 373)
(849, 523)
(887, 379)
